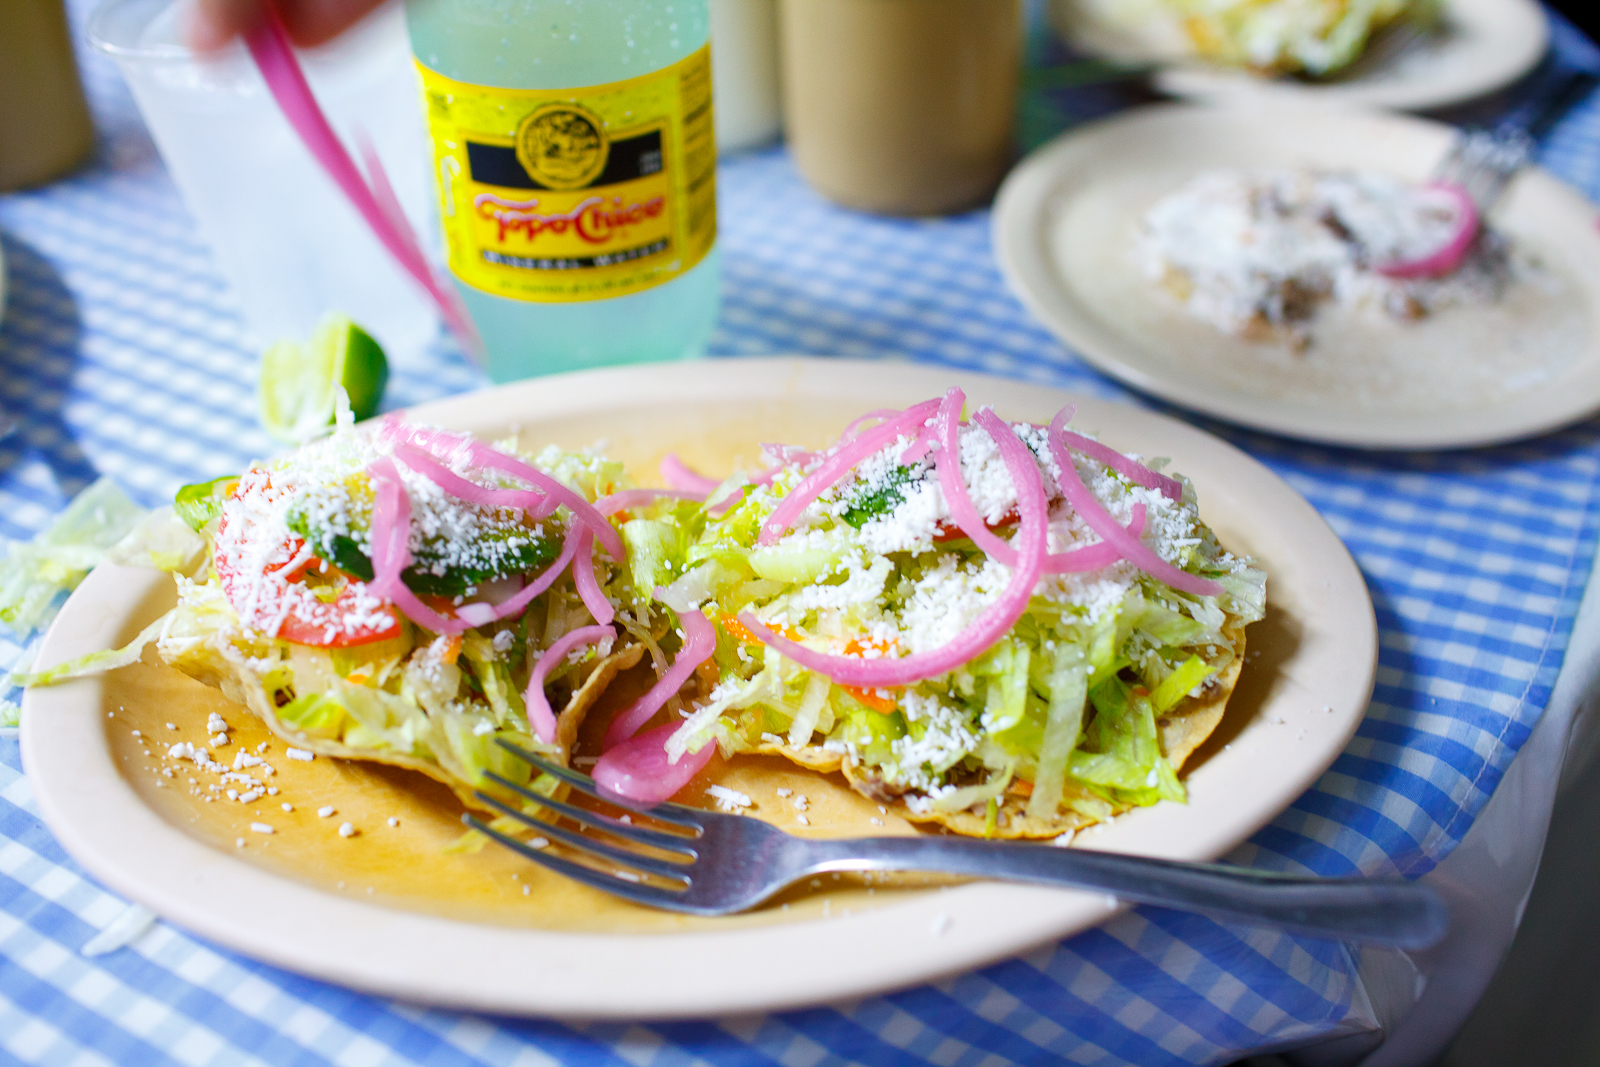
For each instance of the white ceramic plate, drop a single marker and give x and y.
(1483, 46)
(1064, 229)
(1303, 692)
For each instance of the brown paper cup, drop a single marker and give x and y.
(44, 123)
(903, 107)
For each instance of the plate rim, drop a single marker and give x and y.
(1019, 230)
(385, 951)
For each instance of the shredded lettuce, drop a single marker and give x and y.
(34, 573)
(161, 541)
(1068, 688)
(96, 662)
(1179, 683)
(445, 700)
(200, 503)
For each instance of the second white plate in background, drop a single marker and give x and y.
(1482, 47)
(1065, 224)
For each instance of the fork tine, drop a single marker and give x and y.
(1449, 168)
(649, 864)
(637, 892)
(594, 820)
(676, 814)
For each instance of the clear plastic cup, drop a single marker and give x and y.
(288, 242)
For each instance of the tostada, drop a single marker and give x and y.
(401, 594)
(1003, 628)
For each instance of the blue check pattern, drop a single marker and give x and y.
(121, 354)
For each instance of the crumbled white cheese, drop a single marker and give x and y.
(1255, 253)
(301, 754)
(729, 800)
(347, 829)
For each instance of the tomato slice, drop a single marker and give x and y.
(315, 634)
(308, 620)
(952, 532)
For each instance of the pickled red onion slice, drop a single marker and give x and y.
(721, 507)
(948, 467)
(1093, 557)
(784, 456)
(1448, 256)
(481, 614)
(699, 642)
(639, 769)
(678, 475)
(925, 441)
(881, 414)
(837, 465)
(391, 552)
(991, 624)
(1133, 549)
(540, 715)
(443, 445)
(589, 591)
(634, 498)
(529, 500)
(1133, 470)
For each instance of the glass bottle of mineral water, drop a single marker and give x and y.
(576, 166)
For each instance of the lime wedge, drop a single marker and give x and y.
(299, 382)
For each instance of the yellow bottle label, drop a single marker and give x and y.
(575, 194)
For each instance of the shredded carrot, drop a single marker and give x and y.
(856, 646)
(1021, 787)
(740, 632)
(737, 630)
(452, 648)
(870, 697)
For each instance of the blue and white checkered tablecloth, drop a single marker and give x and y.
(121, 354)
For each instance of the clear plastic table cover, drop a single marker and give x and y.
(121, 354)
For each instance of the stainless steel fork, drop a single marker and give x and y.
(707, 863)
(1483, 162)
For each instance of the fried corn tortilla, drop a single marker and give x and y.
(1182, 730)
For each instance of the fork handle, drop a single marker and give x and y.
(1387, 911)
